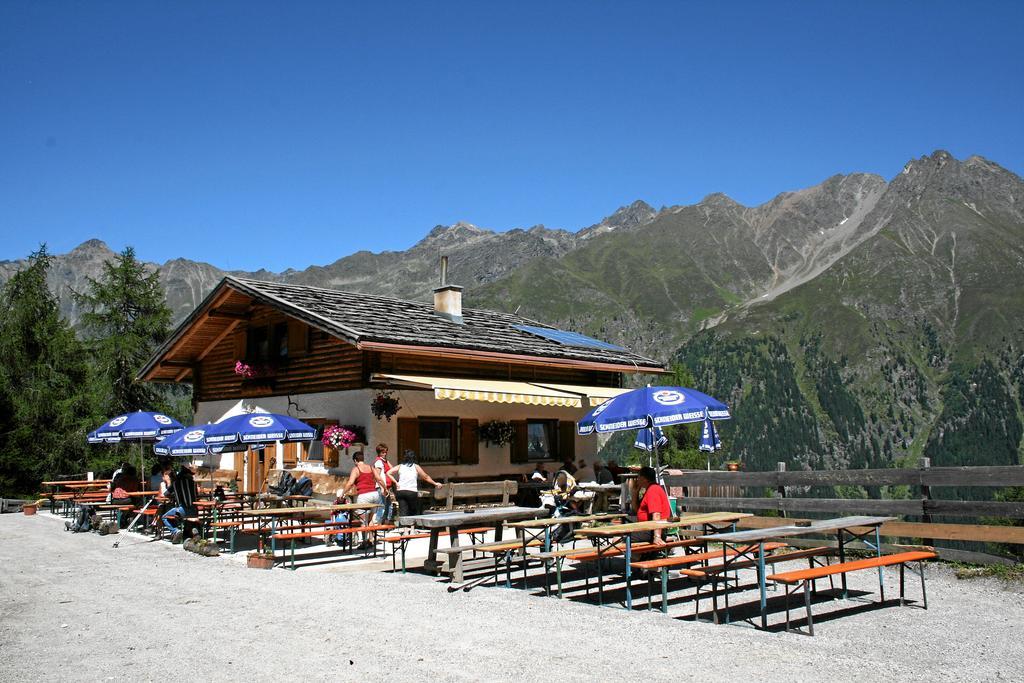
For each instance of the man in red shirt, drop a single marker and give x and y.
(654, 505)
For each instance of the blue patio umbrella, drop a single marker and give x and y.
(191, 441)
(256, 428)
(138, 426)
(709, 440)
(652, 407)
(648, 439)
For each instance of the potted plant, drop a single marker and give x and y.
(384, 405)
(259, 560)
(497, 432)
(30, 507)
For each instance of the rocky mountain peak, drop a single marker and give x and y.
(628, 217)
(91, 248)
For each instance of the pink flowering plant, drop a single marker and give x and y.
(338, 437)
(245, 370)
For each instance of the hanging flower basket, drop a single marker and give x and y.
(497, 432)
(384, 405)
(338, 437)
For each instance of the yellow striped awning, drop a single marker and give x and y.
(491, 391)
(595, 395)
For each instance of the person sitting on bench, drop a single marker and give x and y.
(183, 498)
(126, 482)
(653, 505)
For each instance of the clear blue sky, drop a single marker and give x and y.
(283, 134)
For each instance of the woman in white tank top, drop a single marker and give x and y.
(408, 476)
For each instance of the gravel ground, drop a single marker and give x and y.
(73, 607)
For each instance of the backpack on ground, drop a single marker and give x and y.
(301, 487)
(82, 521)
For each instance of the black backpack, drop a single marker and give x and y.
(302, 487)
(284, 484)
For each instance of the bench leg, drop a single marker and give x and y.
(807, 604)
(786, 589)
(902, 565)
(664, 590)
(558, 574)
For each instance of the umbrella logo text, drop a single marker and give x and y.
(162, 419)
(195, 435)
(118, 421)
(261, 421)
(668, 397)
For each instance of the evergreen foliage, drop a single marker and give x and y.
(125, 319)
(46, 405)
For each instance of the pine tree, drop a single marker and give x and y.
(126, 317)
(45, 400)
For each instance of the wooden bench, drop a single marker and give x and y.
(453, 491)
(400, 542)
(804, 577)
(590, 554)
(291, 537)
(499, 550)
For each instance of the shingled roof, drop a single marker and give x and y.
(359, 318)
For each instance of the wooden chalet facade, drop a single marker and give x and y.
(322, 355)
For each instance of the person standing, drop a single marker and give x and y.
(381, 467)
(406, 477)
(363, 480)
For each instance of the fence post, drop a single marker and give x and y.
(926, 496)
(780, 490)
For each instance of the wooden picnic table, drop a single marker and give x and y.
(857, 527)
(75, 481)
(543, 526)
(453, 521)
(270, 516)
(606, 537)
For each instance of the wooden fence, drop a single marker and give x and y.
(785, 487)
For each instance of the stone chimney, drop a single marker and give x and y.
(448, 298)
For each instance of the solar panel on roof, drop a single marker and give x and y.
(568, 338)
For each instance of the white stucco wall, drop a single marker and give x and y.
(353, 407)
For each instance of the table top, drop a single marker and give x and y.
(284, 512)
(555, 521)
(75, 481)
(593, 486)
(87, 485)
(482, 516)
(816, 527)
(686, 520)
(613, 530)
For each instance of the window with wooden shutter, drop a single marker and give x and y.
(520, 442)
(469, 443)
(408, 435)
(298, 338)
(291, 455)
(567, 440)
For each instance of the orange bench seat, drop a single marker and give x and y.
(854, 565)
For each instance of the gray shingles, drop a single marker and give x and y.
(365, 317)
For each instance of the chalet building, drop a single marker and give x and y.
(323, 356)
